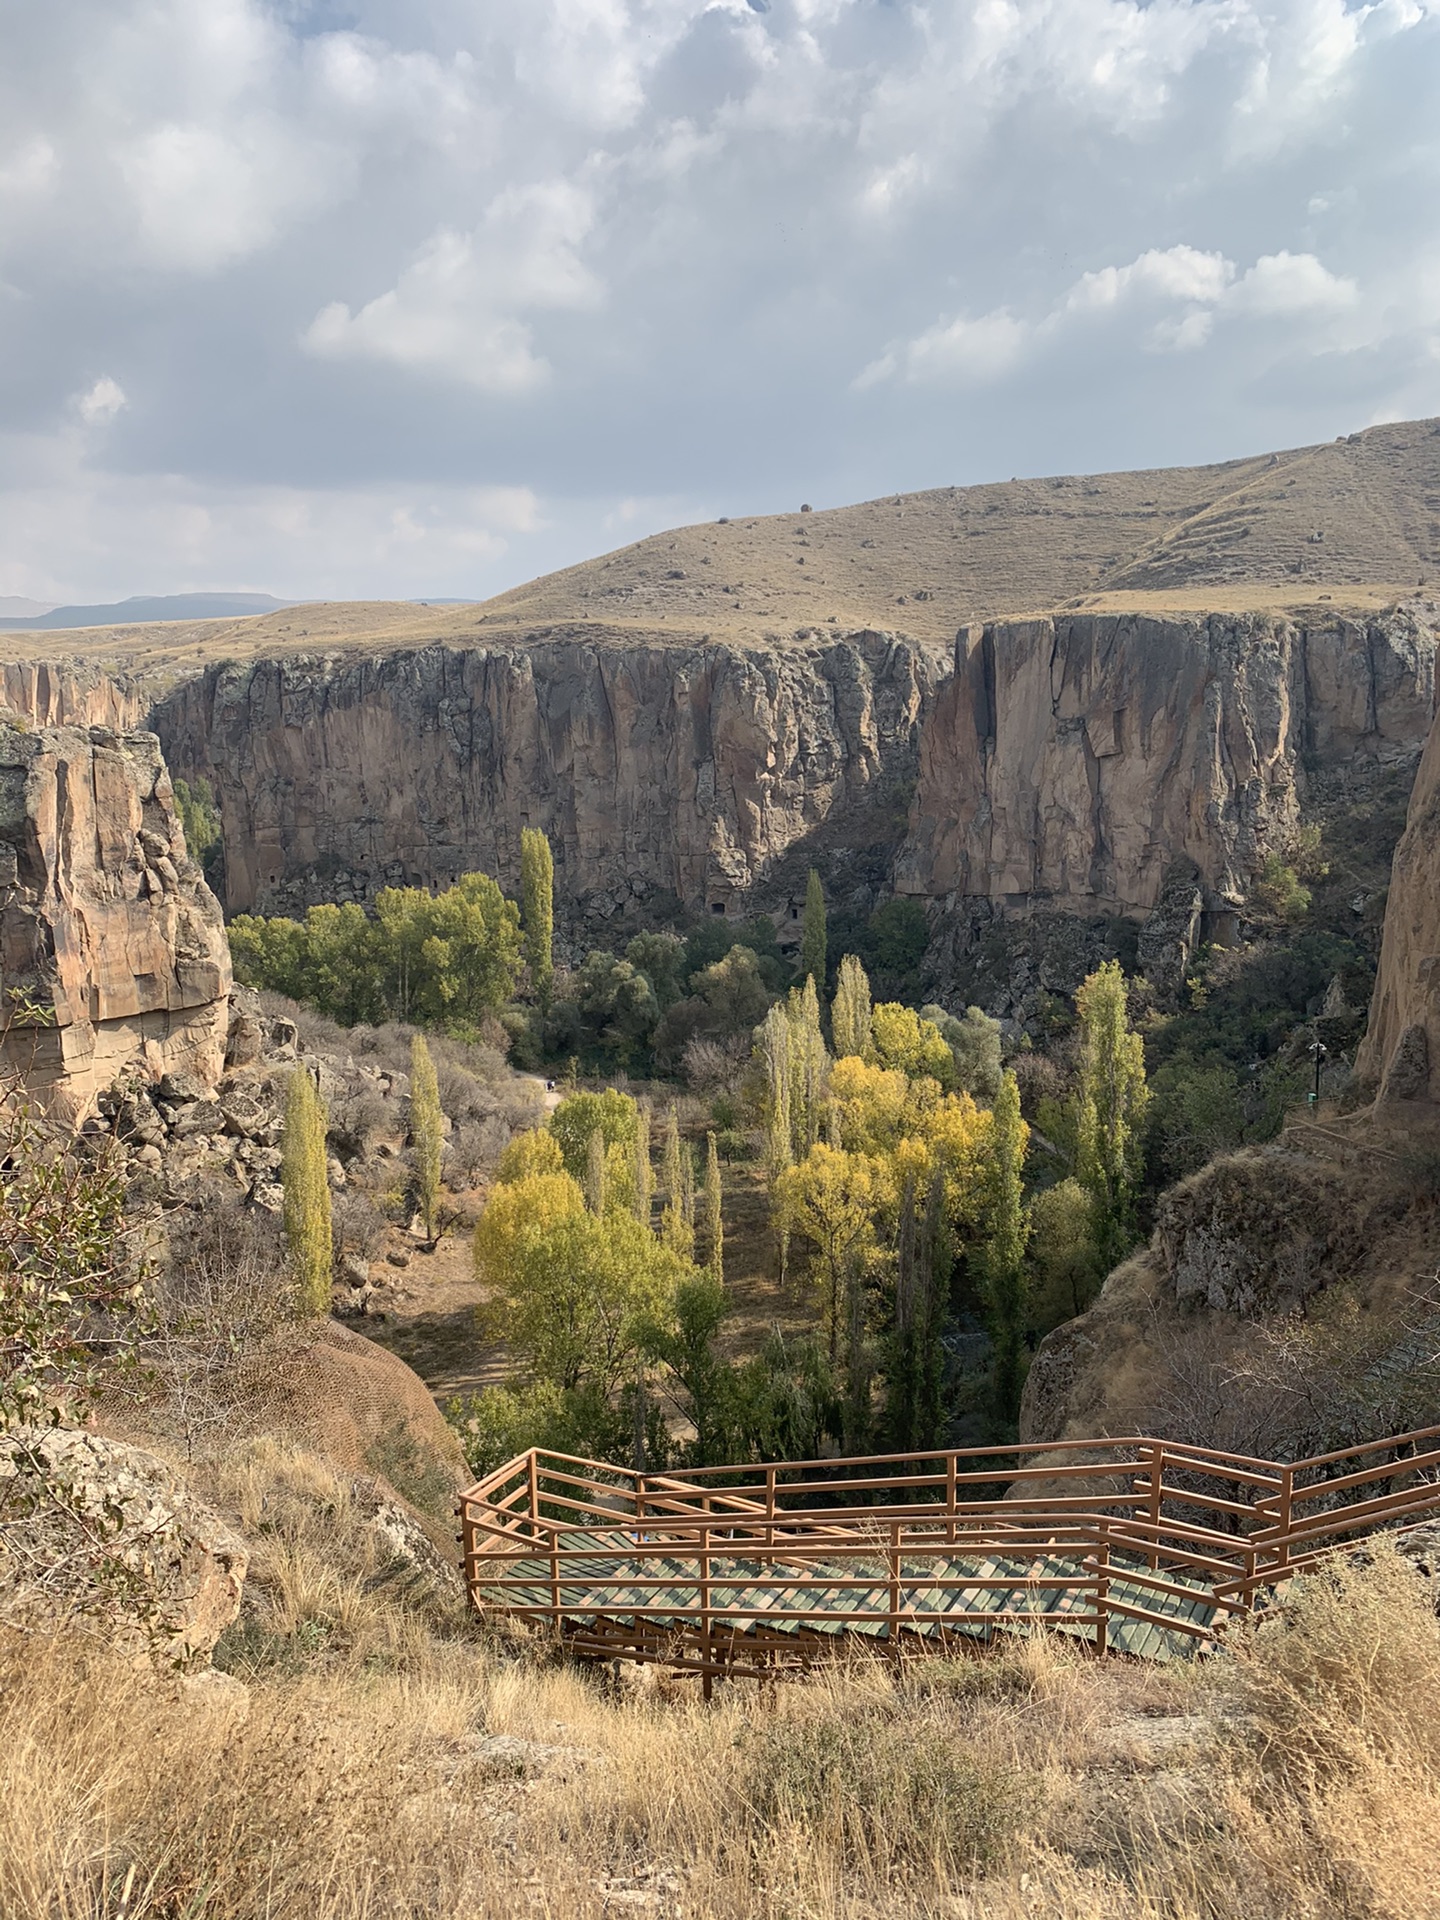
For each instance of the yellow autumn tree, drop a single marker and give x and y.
(833, 1198)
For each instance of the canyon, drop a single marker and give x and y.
(1241, 647)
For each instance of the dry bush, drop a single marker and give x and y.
(1347, 1672)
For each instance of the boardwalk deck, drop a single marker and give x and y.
(1139, 1547)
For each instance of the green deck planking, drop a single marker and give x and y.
(595, 1587)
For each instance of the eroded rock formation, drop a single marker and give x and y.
(655, 769)
(1087, 763)
(112, 951)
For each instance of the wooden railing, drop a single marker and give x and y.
(746, 1569)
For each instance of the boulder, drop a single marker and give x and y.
(103, 1534)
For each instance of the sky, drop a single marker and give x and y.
(426, 297)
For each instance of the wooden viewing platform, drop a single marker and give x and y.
(1136, 1546)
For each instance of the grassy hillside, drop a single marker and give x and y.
(1354, 520)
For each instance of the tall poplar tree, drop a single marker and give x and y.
(1007, 1232)
(305, 1184)
(677, 1230)
(427, 1131)
(537, 909)
(812, 932)
(714, 1222)
(850, 1010)
(1110, 1106)
(644, 1182)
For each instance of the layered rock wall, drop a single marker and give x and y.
(112, 950)
(681, 770)
(1077, 762)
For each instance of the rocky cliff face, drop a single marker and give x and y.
(1079, 765)
(1082, 762)
(1401, 1049)
(655, 769)
(112, 950)
(47, 694)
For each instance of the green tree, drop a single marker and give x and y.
(917, 1355)
(813, 932)
(616, 1006)
(714, 1218)
(850, 1010)
(974, 1044)
(1109, 1110)
(450, 957)
(1062, 1250)
(305, 1184)
(661, 958)
(644, 1175)
(199, 817)
(571, 1291)
(595, 1172)
(537, 909)
(1007, 1230)
(773, 1048)
(613, 1114)
(809, 1065)
(427, 1132)
(683, 1342)
(677, 1226)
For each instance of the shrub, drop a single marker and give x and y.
(879, 1786)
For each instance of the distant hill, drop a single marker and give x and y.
(14, 606)
(1353, 521)
(145, 609)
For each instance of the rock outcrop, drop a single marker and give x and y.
(104, 1536)
(1119, 763)
(1401, 1049)
(47, 693)
(112, 950)
(656, 769)
(1080, 764)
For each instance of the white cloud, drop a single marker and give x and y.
(393, 251)
(1177, 273)
(1203, 285)
(456, 309)
(99, 404)
(1289, 284)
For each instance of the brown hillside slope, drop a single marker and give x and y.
(1360, 515)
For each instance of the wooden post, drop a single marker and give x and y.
(950, 1499)
(640, 1484)
(1102, 1587)
(770, 1506)
(1282, 1516)
(1157, 1483)
(706, 1678)
(894, 1587)
(534, 1493)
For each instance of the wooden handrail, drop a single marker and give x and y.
(605, 1554)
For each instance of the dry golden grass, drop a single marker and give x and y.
(396, 1762)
